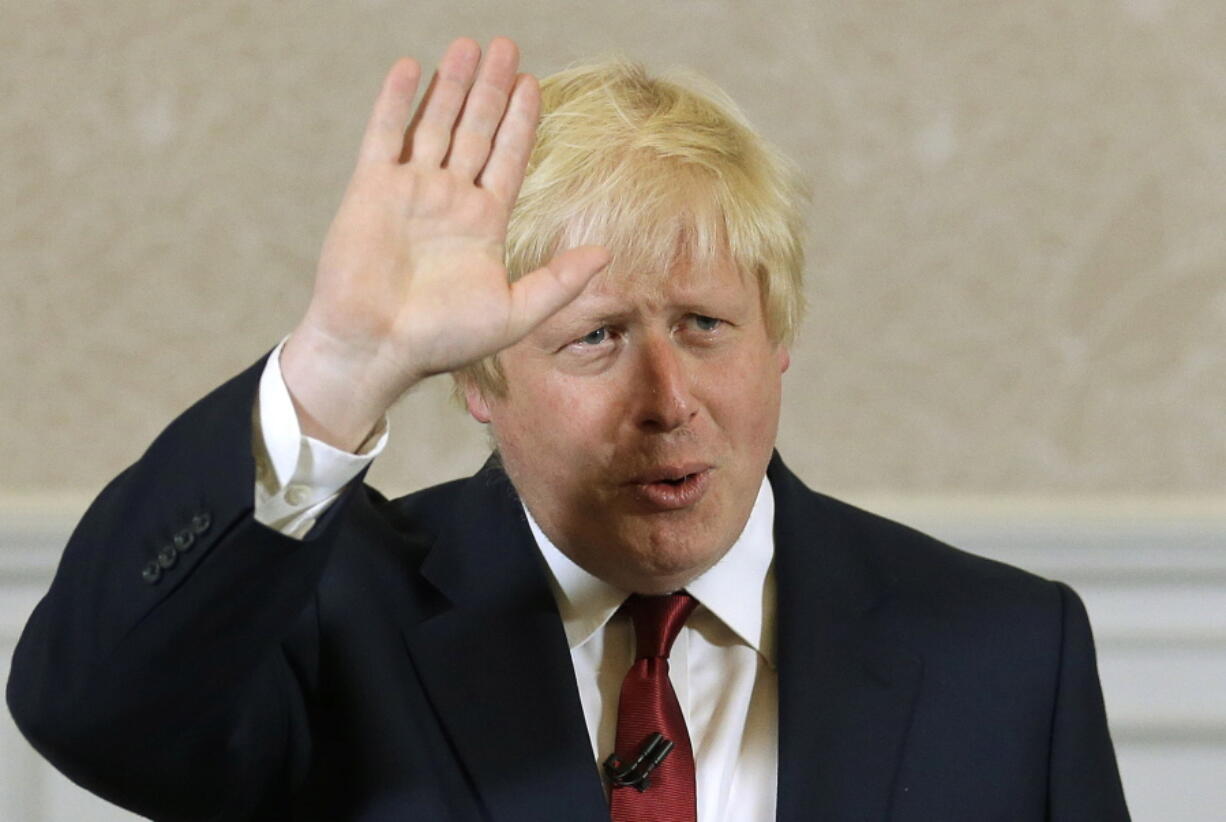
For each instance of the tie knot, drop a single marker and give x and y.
(657, 621)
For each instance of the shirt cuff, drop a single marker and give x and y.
(298, 477)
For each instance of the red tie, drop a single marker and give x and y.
(650, 722)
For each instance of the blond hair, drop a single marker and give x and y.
(656, 170)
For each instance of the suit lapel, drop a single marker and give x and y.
(846, 690)
(497, 667)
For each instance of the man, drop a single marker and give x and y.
(479, 650)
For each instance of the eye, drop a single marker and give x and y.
(594, 337)
(705, 323)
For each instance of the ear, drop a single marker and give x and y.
(785, 358)
(474, 400)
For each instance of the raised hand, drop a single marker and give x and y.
(411, 281)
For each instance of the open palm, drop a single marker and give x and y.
(411, 281)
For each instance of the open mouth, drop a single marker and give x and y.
(673, 489)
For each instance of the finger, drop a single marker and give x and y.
(504, 171)
(537, 296)
(384, 137)
(430, 133)
(483, 109)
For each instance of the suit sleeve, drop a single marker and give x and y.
(1083, 778)
(164, 669)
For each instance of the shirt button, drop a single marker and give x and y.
(296, 494)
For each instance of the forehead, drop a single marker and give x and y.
(685, 279)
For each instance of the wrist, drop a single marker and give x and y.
(337, 394)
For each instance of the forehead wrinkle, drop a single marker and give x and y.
(640, 285)
(686, 275)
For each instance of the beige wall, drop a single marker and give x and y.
(1018, 264)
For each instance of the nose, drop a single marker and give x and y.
(665, 398)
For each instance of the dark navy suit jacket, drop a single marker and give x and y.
(407, 662)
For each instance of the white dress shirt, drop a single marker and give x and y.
(722, 665)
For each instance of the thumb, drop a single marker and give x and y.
(535, 297)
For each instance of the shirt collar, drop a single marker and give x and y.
(738, 590)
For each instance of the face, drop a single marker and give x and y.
(639, 421)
